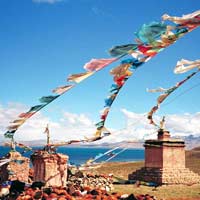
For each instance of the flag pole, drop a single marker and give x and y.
(48, 135)
(13, 144)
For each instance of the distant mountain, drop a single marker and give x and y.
(122, 144)
(190, 141)
(34, 143)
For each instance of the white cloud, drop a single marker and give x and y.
(177, 124)
(76, 126)
(81, 119)
(69, 126)
(47, 1)
(185, 124)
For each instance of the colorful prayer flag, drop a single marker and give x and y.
(98, 64)
(77, 78)
(183, 66)
(48, 99)
(62, 89)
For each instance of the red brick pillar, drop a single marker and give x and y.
(164, 152)
(50, 168)
(165, 162)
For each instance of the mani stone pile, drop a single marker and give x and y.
(102, 182)
(16, 169)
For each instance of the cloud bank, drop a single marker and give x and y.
(68, 126)
(77, 126)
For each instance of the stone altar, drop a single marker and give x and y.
(165, 162)
(50, 168)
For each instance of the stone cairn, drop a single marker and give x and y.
(16, 169)
(50, 168)
(79, 187)
(102, 182)
(165, 162)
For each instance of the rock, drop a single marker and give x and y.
(17, 187)
(38, 195)
(4, 191)
(37, 184)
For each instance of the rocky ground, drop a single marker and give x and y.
(109, 181)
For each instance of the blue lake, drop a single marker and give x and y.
(79, 155)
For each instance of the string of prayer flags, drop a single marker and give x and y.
(24, 147)
(186, 20)
(4, 161)
(99, 134)
(93, 66)
(24, 116)
(160, 89)
(100, 155)
(120, 75)
(183, 66)
(152, 38)
(163, 96)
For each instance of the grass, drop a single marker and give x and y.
(164, 192)
(173, 192)
(119, 169)
(193, 160)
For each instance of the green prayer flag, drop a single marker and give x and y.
(48, 99)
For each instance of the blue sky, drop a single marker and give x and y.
(43, 41)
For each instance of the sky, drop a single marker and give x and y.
(44, 41)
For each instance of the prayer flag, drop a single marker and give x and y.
(122, 49)
(9, 134)
(98, 64)
(192, 18)
(19, 121)
(13, 127)
(46, 129)
(150, 32)
(183, 66)
(160, 89)
(163, 96)
(26, 115)
(36, 108)
(48, 99)
(77, 78)
(62, 89)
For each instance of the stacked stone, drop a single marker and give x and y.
(50, 168)
(102, 182)
(165, 176)
(165, 162)
(16, 169)
(147, 175)
(183, 176)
